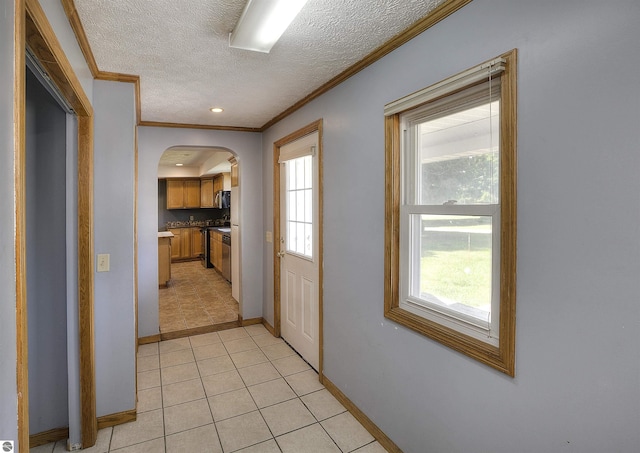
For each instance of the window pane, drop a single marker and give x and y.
(292, 205)
(300, 238)
(454, 264)
(291, 173)
(458, 157)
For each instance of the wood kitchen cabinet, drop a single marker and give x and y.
(218, 183)
(192, 193)
(207, 195)
(186, 244)
(215, 245)
(183, 193)
(176, 244)
(196, 242)
(234, 171)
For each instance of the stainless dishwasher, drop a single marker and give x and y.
(226, 257)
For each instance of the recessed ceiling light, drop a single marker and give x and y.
(179, 165)
(216, 109)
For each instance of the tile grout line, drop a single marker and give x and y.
(213, 420)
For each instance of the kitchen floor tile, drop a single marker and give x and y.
(185, 303)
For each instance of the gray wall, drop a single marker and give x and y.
(46, 258)
(8, 396)
(577, 384)
(57, 18)
(152, 142)
(114, 196)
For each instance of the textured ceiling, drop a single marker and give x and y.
(180, 51)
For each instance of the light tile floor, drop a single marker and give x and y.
(196, 297)
(238, 390)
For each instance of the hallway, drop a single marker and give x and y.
(238, 390)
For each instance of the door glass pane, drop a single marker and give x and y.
(454, 263)
(458, 157)
(300, 206)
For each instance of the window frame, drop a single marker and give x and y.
(500, 356)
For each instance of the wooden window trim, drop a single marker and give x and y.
(501, 357)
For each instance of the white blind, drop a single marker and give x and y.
(304, 146)
(464, 79)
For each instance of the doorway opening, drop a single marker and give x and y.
(39, 38)
(197, 204)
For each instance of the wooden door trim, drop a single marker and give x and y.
(308, 129)
(19, 122)
(42, 41)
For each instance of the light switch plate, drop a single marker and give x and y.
(269, 236)
(103, 262)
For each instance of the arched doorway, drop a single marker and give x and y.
(196, 203)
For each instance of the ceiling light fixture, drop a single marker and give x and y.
(216, 109)
(262, 23)
(179, 165)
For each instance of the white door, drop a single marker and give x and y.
(299, 322)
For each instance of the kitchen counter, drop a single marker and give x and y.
(165, 234)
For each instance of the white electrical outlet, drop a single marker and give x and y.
(103, 262)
